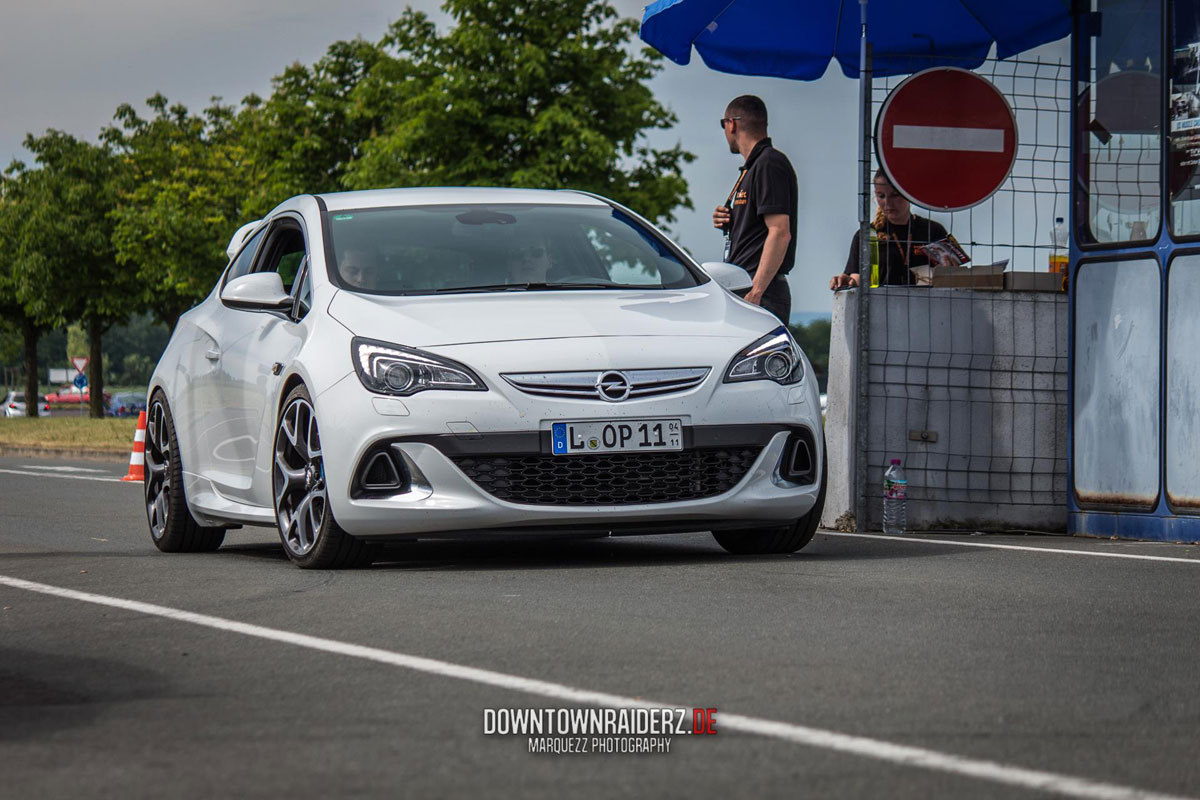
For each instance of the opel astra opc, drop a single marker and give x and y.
(432, 363)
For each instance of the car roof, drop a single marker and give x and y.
(426, 196)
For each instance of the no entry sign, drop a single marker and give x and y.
(946, 138)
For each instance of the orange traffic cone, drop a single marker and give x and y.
(137, 459)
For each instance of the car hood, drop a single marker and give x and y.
(430, 321)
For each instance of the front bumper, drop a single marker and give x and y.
(438, 429)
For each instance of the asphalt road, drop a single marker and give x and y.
(898, 667)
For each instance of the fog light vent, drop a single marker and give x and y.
(799, 458)
(379, 473)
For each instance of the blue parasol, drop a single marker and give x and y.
(797, 39)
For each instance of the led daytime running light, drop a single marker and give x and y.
(775, 357)
(392, 369)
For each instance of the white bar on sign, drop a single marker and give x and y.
(931, 137)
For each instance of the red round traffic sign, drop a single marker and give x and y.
(946, 138)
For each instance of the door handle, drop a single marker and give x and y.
(212, 354)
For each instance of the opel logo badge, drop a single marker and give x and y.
(612, 386)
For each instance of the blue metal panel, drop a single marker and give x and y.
(1159, 523)
(1155, 526)
(1116, 411)
(1183, 384)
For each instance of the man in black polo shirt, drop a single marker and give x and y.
(759, 217)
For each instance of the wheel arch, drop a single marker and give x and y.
(291, 382)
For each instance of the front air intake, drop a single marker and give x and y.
(799, 458)
(380, 474)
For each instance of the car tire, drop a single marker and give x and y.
(172, 527)
(780, 539)
(311, 536)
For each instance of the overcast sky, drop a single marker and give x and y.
(68, 64)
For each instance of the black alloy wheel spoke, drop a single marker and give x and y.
(300, 499)
(158, 470)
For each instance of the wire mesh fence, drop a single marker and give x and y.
(966, 386)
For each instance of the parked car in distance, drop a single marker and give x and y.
(14, 405)
(126, 404)
(426, 363)
(71, 394)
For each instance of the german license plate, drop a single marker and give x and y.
(624, 436)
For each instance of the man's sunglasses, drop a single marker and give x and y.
(727, 119)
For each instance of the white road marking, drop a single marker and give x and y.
(879, 750)
(61, 469)
(62, 475)
(994, 546)
(932, 137)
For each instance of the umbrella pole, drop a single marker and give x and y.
(862, 373)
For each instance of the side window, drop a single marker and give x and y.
(283, 253)
(241, 264)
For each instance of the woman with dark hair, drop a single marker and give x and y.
(902, 236)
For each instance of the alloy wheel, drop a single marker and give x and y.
(158, 470)
(299, 478)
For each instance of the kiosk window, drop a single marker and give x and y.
(1120, 126)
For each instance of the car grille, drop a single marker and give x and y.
(582, 385)
(613, 479)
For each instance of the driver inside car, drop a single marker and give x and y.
(529, 262)
(360, 268)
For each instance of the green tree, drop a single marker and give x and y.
(532, 93)
(142, 336)
(308, 132)
(136, 369)
(11, 346)
(813, 339)
(65, 267)
(77, 341)
(23, 321)
(181, 194)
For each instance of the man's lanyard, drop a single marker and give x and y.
(729, 204)
(733, 191)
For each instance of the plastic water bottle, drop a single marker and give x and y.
(1058, 238)
(895, 499)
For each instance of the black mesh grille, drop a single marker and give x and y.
(610, 480)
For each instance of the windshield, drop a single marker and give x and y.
(448, 249)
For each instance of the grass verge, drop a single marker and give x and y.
(68, 434)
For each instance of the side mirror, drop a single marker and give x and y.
(258, 291)
(731, 276)
(243, 232)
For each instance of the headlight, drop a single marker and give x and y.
(775, 357)
(392, 369)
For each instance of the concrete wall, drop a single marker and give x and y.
(982, 376)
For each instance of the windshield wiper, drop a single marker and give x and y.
(523, 287)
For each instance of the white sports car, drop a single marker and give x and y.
(425, 363)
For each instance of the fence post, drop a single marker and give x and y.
(862, 373)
